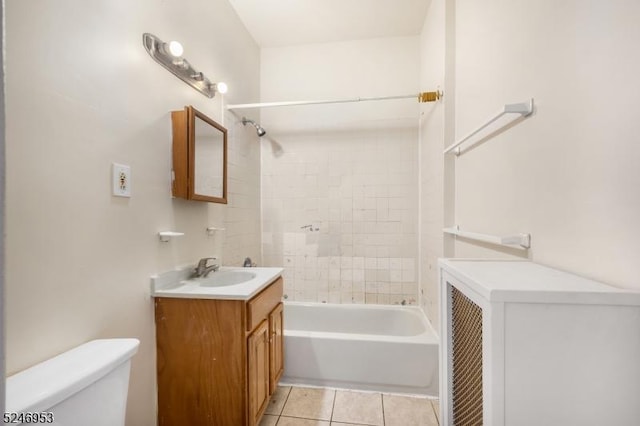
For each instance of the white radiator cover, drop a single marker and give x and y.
(557, 349)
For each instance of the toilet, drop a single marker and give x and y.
(87, 385)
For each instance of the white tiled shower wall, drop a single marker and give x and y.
(340, 215)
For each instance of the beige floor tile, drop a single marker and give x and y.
(436, 408)
(310, 403)
(408, 411)
(346, 424)
(358, 407)
(295, 421)
(268, 420)
(279, 397)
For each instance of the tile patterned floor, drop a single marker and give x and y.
(300, 406)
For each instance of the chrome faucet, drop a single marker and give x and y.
(202, 270)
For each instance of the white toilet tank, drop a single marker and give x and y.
(87, 385)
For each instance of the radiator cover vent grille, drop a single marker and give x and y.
(466, 324)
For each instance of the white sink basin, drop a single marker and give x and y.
(225, 278)
(227, 283)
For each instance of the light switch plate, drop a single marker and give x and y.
(121, 180)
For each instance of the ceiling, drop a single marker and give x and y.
(275, 23)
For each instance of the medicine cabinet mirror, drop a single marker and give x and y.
(199, 157)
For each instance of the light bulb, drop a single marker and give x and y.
(176, 49)
(222, 87)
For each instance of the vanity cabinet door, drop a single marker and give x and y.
(258, 360)
(276, 346)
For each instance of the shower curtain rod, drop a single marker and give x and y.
(422, 97)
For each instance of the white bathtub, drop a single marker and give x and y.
(366, 347)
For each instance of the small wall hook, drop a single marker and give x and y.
(211, 230)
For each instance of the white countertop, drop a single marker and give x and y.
(529, 282)
(177, 284)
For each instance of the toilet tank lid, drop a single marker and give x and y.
(46, 384)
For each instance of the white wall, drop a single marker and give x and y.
(569, 174)
(81, 93)
(349, 171)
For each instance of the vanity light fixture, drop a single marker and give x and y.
(169, 55)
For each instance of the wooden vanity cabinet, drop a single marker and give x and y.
(276, 346)
(258, 366)
(266, 361)
(218, 361)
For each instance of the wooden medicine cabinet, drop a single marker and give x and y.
(199, 157)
